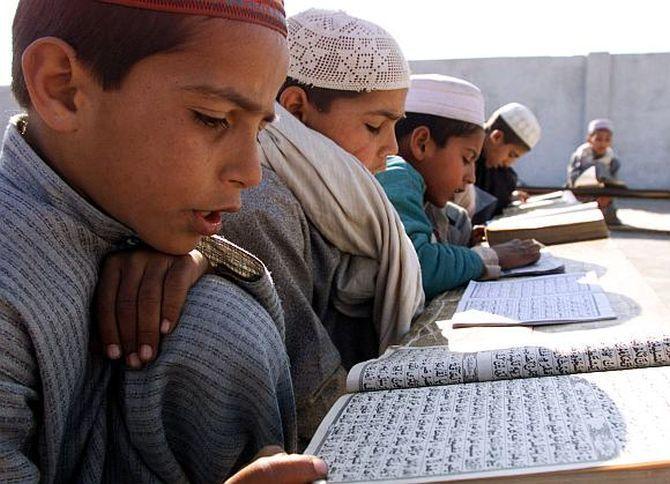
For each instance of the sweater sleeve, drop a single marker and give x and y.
(574, 168)
(443, 266)
(18, 396)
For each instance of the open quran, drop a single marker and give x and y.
(429, 414)
(569, 223)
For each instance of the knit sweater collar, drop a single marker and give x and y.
(23, 169)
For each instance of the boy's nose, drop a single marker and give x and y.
(245, 169)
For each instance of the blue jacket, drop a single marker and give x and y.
(443, 266)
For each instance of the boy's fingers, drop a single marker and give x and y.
(282, 469)
(104, 305)
(126, 311)
(176, 285)
(149, 309)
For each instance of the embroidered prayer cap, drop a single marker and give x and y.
(333, 50)
(447, 97)
(522, 121)
(601, 123)
(268, 13)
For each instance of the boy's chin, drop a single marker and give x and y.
(174, 245)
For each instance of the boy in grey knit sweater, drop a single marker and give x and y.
(140, 129)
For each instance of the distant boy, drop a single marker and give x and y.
(511, 132)
(597, 153)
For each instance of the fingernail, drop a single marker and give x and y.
(114, 352)
(320, 466)
(146, 352)
(165, 326)
(133, 361)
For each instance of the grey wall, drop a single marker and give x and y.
(566, 92)
(8, 106)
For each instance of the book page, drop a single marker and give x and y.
(552, 299)
(587, 178)
(547, 264)
(437, 365)
(492, 429)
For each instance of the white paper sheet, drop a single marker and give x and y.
(553, 299)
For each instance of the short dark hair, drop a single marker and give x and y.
(108, 39)
(509, 136)
(320, 97)
(441, 129)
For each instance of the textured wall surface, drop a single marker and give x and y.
(566, 92)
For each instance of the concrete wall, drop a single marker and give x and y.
(8, 106)
(566, 92)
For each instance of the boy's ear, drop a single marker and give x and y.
(497, 137)
(53, 77)
(420, 143)
(294, 100)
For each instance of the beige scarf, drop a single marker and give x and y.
(379, 275)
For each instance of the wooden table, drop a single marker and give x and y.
(639, 309)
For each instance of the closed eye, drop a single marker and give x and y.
(210, 121)
(373, 129)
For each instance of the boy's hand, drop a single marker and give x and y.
(520, 195)
(280, 468)
(517, 253)
(140, 294)
(477, 235)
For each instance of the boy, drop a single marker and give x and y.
(597, 153)
(141, 124)
(348, 276)
(511, 132)
(439, 141)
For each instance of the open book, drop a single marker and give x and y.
(560, 198)
(589, 179)
(552, 299)
(546, 264)
(428, 414)
(569, 223)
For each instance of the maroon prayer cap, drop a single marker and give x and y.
(268, 13)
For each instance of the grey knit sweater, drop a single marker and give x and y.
(219, 390)
(274, 227)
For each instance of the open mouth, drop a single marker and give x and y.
(207, 223)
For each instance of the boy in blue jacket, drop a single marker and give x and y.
(439, 143)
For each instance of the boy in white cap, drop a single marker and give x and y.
(439, 141)
(511, 132)
(347, 275)
(597, 154)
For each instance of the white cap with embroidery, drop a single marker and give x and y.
(333, 50)
(522, 121)
(447, 97)
(601, 123)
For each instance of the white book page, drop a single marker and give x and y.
(436, 365)
(546, 264)
(588, 178)
(552, 299)
(493, 429)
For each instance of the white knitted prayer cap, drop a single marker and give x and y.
(522, 121)
(333, 50)
(447, 97)
(601, 123)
